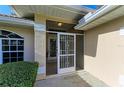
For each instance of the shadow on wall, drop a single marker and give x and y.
(92, 35)
(80, 51)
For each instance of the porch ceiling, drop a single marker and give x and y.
(53, 25)
(69, 12)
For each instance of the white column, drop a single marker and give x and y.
(40, 45)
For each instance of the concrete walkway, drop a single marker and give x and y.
(77, 79)
(71, 80)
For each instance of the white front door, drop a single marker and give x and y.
(66, 52)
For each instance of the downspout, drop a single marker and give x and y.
(103, 10)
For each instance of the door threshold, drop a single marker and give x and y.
(57, 75)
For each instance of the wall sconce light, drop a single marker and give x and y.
(59, 24)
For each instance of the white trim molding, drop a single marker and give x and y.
(122, 31)
(16, 21)
(1, 54)
(106, 9)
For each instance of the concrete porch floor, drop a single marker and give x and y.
(76, 79)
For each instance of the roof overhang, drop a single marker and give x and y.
(16, 21)
(104, 14)
(67, 12)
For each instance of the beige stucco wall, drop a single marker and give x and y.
(104, 52)
(40, 45)
(28, 35)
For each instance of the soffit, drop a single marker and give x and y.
(60, 11)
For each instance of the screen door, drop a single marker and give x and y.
(66, 52)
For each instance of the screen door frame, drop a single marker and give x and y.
(59, 55)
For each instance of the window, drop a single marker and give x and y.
(52, 48)
(12, 47)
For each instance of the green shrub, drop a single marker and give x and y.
(18, 74)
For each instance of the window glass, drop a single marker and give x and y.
(13, 59)
(6, 55)
(7, 34)
(3, 32)
(21, 48)
(5, 48)
(5, 42)
(13, 54)
(1, 36)
(13, 42)
(14, 36)
(6, 60)
(20, 42)
(20, 59)
(52, 47)
(12, 49)
(20, 54)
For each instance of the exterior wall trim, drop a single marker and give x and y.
(63, 32)
(100, 12)
(16, 21)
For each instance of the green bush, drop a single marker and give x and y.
(18, 74)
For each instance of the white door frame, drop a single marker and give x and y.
(70, 69)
